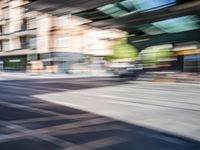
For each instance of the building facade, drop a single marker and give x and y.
(38, 42)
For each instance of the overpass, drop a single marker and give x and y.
(167, 20)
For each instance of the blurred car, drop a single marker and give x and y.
(130, 72)
(126, 70)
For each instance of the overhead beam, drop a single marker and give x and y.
(192, 8)
(143, 42)
(60, 7)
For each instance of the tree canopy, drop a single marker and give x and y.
(123, 50)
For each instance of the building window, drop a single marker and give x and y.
(28, 42)
(32, 42)
(5, 45)
(31, 23)
(1, 29)
(24, 24)
(5, 29)
(1, 46)
(23, 42)
(5, 13)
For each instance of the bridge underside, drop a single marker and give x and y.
(158, 21)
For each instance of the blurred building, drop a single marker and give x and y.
(150, 23)
(39, 42)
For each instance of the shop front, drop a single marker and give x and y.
(14, 63)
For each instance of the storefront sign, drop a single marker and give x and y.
(14, 60)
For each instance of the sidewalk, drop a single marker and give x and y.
(20, 76)
(170, 77)
(148, 77)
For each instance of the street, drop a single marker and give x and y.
(98, 114)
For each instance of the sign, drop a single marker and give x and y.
(14, 60)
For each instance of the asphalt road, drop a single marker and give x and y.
(98, 114)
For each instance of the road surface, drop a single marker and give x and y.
(98, 114)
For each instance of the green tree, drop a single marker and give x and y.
(123, 50)
(153, 55)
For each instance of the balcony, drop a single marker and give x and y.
(2, 22)
(4, 36)
(17, 52)
(24, 33)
